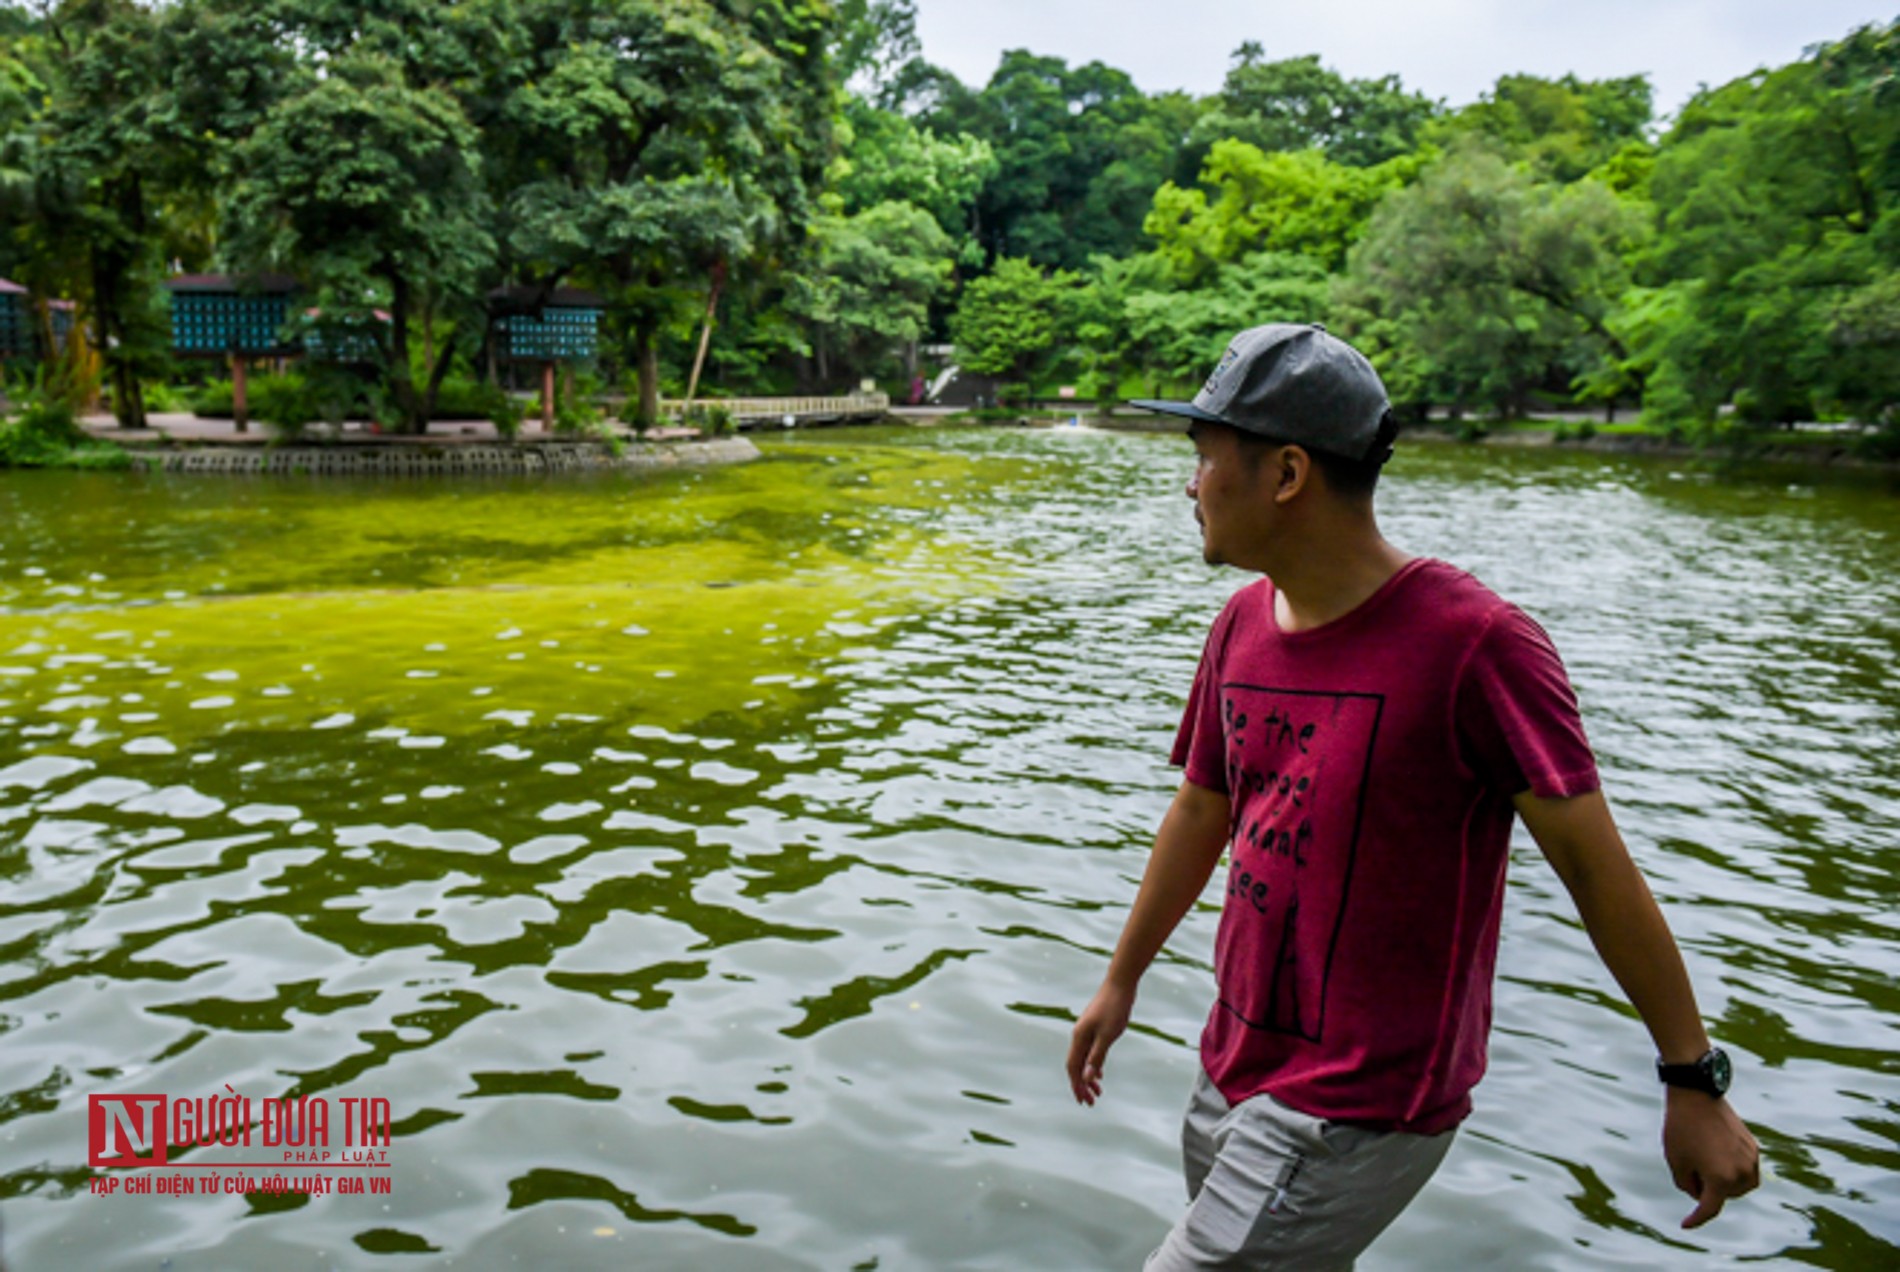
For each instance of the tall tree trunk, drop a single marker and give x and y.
(401, 385)
(112, 287)
(705, 331)
(647, 358)
(438, 373)
(128, 401)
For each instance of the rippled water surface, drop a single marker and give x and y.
(707, 867)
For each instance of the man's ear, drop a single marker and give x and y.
(1292, 471)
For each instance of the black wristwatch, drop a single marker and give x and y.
(1709, 1075)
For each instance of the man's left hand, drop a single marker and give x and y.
(1711, 1154)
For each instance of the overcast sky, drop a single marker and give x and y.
(1448, 49)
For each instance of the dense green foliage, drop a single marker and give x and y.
(1296, 104)
(1009, 321)
(43, 432)
(410, 157)
(840, 206)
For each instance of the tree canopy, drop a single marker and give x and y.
(794, 171)
(1295, 103)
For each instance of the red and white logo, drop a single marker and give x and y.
(127, 1130)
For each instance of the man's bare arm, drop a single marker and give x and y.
(1711, 1154)
(1187, 848)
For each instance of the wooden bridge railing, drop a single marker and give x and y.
(851, 405)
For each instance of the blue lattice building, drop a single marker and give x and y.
(16, 322)
(540, 324)
(218, 315)
(222, 316)
(544, 325)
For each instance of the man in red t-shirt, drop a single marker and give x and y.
(1363, 730)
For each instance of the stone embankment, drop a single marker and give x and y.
(459, 459)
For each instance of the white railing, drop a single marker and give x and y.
(850, 405)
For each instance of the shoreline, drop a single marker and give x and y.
(470, 447)
(1756, 450)
(420, 458)
(1759, 450)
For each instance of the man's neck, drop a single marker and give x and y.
(1331, 577)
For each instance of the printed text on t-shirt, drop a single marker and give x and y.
(1296, 764)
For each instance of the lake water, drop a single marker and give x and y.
(707, 866)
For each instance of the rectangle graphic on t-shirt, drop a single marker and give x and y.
(1297, 764)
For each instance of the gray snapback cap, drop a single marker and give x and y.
(1293, 382)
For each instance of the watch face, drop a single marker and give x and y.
(1720, 1071)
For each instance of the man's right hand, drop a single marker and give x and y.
(1100, 1024)
(1186, 850)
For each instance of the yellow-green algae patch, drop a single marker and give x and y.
(428, 610)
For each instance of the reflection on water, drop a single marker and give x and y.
(708, 866)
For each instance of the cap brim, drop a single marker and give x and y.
(1187, 410)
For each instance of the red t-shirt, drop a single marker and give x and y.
(1370, 764)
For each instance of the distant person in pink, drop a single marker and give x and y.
(1363, 730)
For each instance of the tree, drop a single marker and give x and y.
(99, 148)
(1008, 322)
(1078, 151)
(1172, 335)
(1564, 128)
(1500, 284)
(884, 158)
(643, 146)
(1297, 104)
(130, 111)
(1776, 198)
(22, 102)
(876, 39)
(1863, 329)
(1300, 202)
(369, 185)
(872, 284)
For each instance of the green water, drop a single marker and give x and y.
(707, 865)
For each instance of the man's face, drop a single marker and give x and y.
(1230, 501)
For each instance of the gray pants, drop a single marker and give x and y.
(1269, 1187)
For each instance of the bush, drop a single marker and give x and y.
(335, 392)
(574, 409)
(577, 416)
(161, 395)
(711, 419)
(288, 403)
(1471, 431)
(460, 398)
(46, 434)
(604, 432)
(505, 411)
(43, 414)
(1586, 431)
(213, 401)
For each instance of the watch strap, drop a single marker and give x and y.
(1709, 1074)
